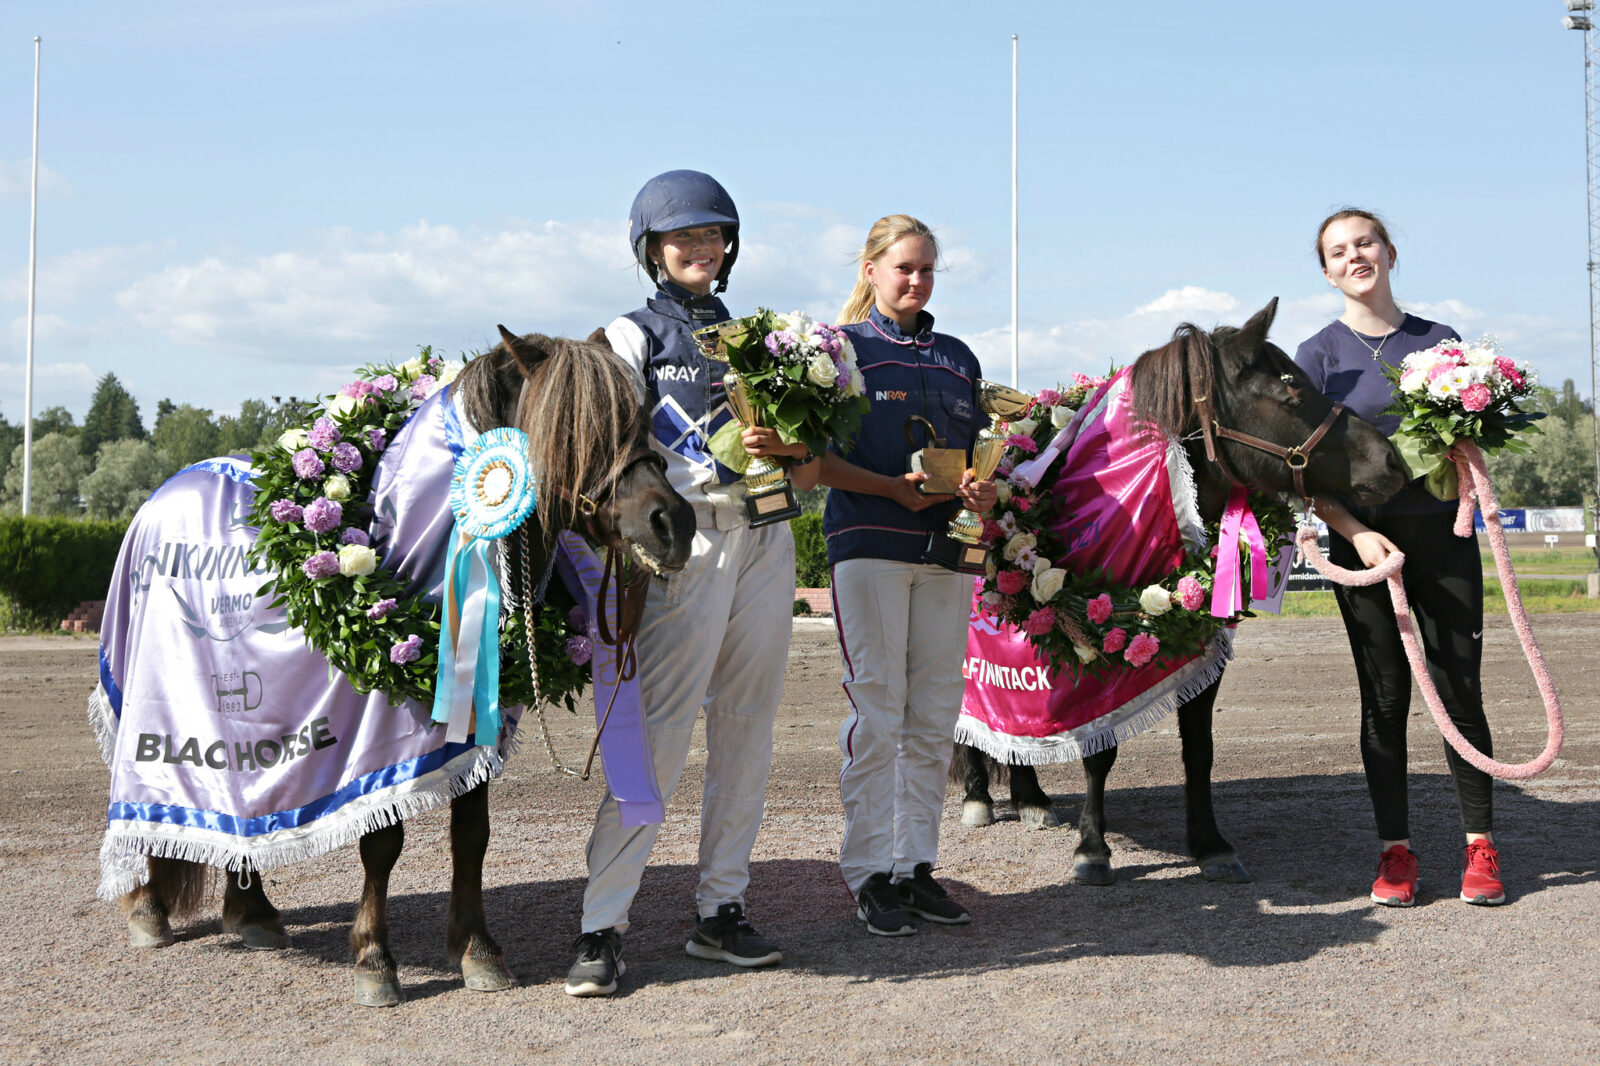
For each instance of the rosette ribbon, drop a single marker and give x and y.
(491, 494)
(1227, 592)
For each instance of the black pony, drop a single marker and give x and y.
(1246, 415)
(588, 444)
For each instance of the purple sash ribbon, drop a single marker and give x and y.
(625, 744)
(1227, 595)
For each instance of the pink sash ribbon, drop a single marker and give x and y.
(1227, 594)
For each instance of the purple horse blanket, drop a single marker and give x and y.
(1126, 503)
(230, 740)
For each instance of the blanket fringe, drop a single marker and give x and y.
(125, 849)
(103, 720)
(1066, 747)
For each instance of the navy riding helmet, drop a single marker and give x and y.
(683, 199)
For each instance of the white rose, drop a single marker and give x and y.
(450, 371)
(1018, 543)
(409, 369)
(1413, 380)
(292, 440)
(1040, 565)
(858, 384)
(1002, 491)
(1048, 582)
(344, 406)
(336, 488)
(1025, 426)
(1060, 416)
(1155, 600)
(357, 560)
(821, 371)
(1084, 652)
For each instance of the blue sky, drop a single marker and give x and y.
(251, 200)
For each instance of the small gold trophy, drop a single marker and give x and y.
(959, 547)
(769, 496)
(944, 466)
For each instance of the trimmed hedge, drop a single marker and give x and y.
(810, 552)
(50, 565)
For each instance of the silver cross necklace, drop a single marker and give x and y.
(1377, 353)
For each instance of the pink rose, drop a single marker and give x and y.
(1099, 609)
(1115, 641)
(1142, 649)
(1011, 582)
(1191, 593)
(1475, 397)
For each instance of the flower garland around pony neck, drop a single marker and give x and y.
(312, 509)
(1087, 620)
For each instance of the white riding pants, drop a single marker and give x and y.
(902, 635)
(714, 636)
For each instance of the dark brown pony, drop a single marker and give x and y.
(1252, 388)
(587, 442)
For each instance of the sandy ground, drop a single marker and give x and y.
(1160, 967)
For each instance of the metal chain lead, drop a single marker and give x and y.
(533, 658)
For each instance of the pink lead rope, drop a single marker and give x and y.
(1475, 488)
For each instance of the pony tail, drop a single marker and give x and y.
(860, 301)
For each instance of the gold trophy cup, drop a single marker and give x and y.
(960, 546)
(769, 497)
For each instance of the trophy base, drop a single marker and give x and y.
(771, 505)
(952, 554)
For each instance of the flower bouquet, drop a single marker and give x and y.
(801, 379)
(312, 512)
(1046, 416)
(1457, 391)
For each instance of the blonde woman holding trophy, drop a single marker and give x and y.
(713, 635)
(901, 620)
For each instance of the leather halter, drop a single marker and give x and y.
(1296, 457)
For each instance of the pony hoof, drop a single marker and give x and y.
(150, 931)
(378, 990)
(1227, 869)
(486, 975)
(1038, 818)
(1093, 872)
(976, 814)
(263, 937)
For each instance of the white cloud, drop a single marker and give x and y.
(1189, 300)
(16, 180)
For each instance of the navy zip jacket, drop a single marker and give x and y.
(926, 374)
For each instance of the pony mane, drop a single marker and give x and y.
(580, 410)
(1167, 380)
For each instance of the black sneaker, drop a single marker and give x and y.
(727, 937)
(599, 964)
(921, 895)
(880, 907)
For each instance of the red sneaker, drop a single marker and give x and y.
(1480, 875)
(1396, 885)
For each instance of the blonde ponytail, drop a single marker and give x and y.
(885, 233)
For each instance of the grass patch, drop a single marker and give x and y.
(1545, 560)
(1552, 596)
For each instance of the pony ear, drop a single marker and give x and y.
(599, 337)
(528, 357)
(1253, 334)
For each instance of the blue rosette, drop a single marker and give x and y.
(491, 494)
(492, 489)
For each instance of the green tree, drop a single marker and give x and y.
(58, 466)
(1567, 405)
(53, 420)
(257, 425)
(1556, 473)
(125, 473)
(10, 437)
(186, 435)
(113, 415)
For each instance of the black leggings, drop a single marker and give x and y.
(1444, 582)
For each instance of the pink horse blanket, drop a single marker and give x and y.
(1127, 503)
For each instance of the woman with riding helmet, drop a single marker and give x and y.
(713, 636)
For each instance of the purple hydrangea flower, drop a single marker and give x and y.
(579, 618)
(381, 608)
(355, 536)
(421, 387)
(346, 457)
(321, 565)
(322, 515)
(386, 383)
(286, 511)
(324, 434)
(307, 464)
(378, 439)
(358, 389)
(579, 650)
(406, 651)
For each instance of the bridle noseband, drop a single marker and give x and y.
(1296, 457)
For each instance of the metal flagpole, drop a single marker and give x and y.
(1016, 370)
(33, 260)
